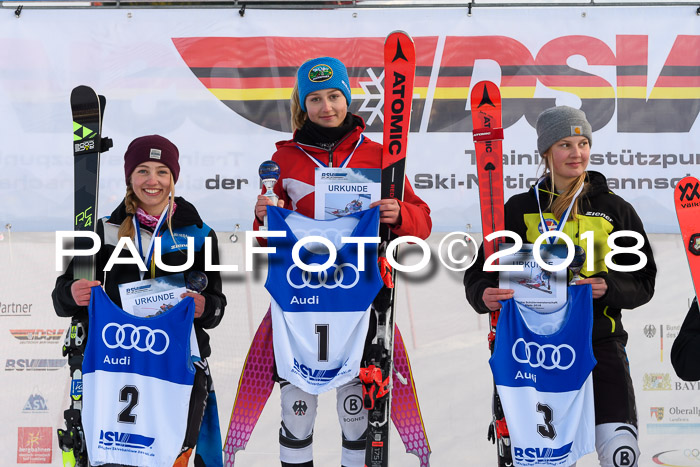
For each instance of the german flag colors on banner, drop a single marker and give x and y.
(254, 76)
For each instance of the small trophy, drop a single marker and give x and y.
(196, 281)
(269, 172)
(577, 264)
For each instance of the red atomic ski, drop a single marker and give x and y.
(488, 136)
(376, 376)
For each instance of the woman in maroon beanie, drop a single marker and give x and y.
(151, 209)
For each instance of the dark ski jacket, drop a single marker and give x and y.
(602, 212)
(685, 353)
(185, 223)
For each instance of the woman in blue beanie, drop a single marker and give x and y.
(326, 134)
(580, 199)
(149, 210)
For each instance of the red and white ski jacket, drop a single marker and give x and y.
(296, 183)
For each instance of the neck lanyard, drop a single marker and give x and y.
(344, 163)
(149, 253)
(564, 218)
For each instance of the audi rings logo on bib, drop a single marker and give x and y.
(345, 276)
(141, 338)
(547, 356)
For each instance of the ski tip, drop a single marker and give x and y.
(485, 86)
(687, 179)
(82, 93)
(399, 33)
(687, 193)
(485, 93)
(82, 88)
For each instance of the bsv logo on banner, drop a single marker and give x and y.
(547, 356)
(137, 340)
(317, 280)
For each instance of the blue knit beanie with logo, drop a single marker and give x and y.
(322, 73)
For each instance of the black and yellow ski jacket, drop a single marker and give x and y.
(602, 212)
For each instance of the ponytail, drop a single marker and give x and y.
(299, 117)
(126, 229)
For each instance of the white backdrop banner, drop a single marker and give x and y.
(217, 84)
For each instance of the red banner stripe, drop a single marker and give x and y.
(241, 52)
(632, 81)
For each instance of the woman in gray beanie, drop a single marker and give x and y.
(150, 210)
(567, 193)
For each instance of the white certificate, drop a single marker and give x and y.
(343, 191)
(541, 290)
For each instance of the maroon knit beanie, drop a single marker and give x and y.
(151, 148)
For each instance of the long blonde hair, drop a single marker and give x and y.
(126, 228)
(559, 204)
(299, 117)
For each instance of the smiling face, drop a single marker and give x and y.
(568, 159)
(151, 184)
(326, 107)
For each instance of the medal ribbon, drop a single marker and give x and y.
(149, 252)
(564, 218)
(344, 163)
